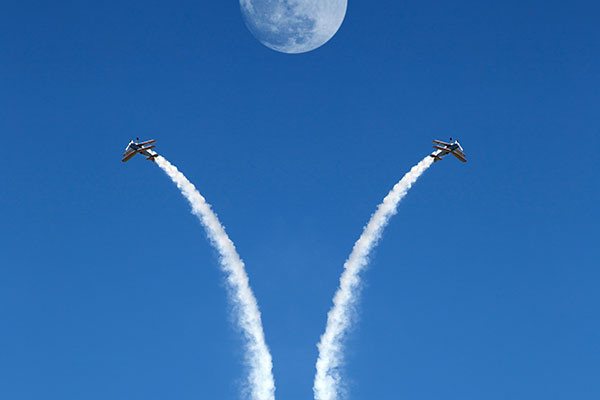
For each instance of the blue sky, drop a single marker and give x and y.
(485, 282)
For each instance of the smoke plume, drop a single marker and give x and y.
(261, 384)
(339, 319)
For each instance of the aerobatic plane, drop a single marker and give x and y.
(444, 148)
(135, 147)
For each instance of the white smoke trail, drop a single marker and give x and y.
(258, 357)
(339, 318)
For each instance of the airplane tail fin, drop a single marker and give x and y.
(435, 158)
(152, 157)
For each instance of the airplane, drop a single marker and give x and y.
(134, 147)
(453, 148)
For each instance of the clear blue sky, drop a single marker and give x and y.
(485, 284)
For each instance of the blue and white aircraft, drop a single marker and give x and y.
(453, 148)
(134, 147)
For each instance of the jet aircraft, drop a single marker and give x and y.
(135, 147)
(453, 148)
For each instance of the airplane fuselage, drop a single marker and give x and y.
(136, 147)
(444, 148)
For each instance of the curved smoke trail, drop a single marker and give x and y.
(260, 379)
(339, 318)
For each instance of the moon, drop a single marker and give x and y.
(293, 26)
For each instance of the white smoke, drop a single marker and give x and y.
(260, 379)
(339, 318)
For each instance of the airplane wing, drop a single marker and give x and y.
(128, 152)
(129, 156)
(443, 150)
(459, 156)
(147, 142)
(145, 148)
(440, 142)
(460, 153)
